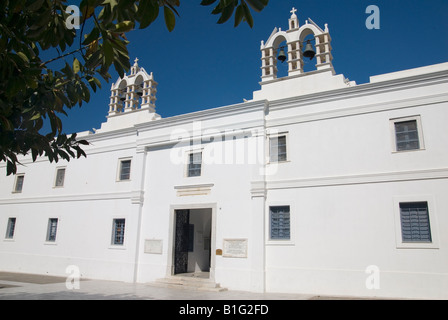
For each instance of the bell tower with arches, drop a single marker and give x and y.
(132, 100)
(305, 44)
(295, 38)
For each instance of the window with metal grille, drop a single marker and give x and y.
(280, 225)
(52, 229)
(118, 232)
(194, 164)
(278, 149)
(125, 170)
(19, 183)
(406, 135)
(415, 226)
(10, 229)
(60, 177)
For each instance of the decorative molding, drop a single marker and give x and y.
(208, 114)
(385, 177)
(137, 197)
(194, 190)
(358, 110)
(134, 196)
(258, 189)
(393, 85)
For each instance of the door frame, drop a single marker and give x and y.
(172, 235)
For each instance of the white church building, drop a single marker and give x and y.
(317, 185)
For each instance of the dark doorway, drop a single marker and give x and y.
(192, 242)
(181, 241)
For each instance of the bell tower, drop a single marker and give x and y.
(132, 100)
(307, 45)
(132, 92)
(298, 42)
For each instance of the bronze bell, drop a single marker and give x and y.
(309, 51)
(282, 56)
(140, 90)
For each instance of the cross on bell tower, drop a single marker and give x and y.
(293, 21)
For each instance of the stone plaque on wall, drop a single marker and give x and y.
(154, 246)
(235, 248)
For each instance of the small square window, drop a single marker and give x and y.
(18, 186)
(125, 170)
(407, 134)
(277, 148)
(415, 226)
(60, 177)
(194, 164)
(11, 228)
(52, 229)
(280, 223)
(118, 232)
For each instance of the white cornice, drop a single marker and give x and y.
(383, 177)
(361, 90)
(134, 196)
(359, 109)
(225, 111)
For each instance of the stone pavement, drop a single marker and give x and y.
(16, 286)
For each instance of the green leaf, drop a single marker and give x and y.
(23, 57)
(10, 168)
(93, 35)
(248, 15)
(124, 26)
(257, 5)
(207, 2)
(84, 142)
(170, 19)
(108, 52)
(76, 66)
(34, 154)
(35, 117)
(226, 13)
(239, 15)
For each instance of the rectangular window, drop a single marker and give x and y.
(194, 164)
(10, 229)
(277, 146)
(280, 224)
(125, 170)
(407, 134)
(415, 225)
(52, 229)
(60, 177)
(19, 183)
(118, 232)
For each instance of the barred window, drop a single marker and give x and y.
(118, 232)
(10, 229)
(415, 226)
(60, 177)
(406, 134)
(19, 183)
(194, 164)
(280, 225)
(125, 170)
(52, 229)
(277, 148)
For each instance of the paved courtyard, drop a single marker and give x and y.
(17, 286)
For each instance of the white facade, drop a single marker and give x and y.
(343, 182)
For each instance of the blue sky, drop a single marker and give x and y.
(202, 65)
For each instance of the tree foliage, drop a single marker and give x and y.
(33, 90)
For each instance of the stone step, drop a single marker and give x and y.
(189, 283)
